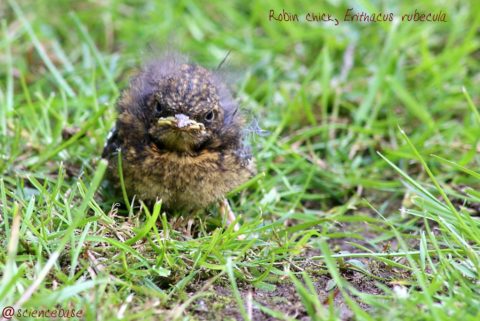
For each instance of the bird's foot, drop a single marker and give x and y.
(227, 213)
(182, 224)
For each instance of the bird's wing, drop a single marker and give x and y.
(112, 144)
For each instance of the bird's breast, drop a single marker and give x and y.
(185, 181)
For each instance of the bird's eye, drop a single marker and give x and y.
(158, 107)
(209, 116)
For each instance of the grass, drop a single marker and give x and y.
(367, 202)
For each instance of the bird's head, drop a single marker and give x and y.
(179, 107)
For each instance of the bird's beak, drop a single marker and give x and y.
(166, 121)
(181, 121)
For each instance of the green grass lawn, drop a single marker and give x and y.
(367, 202)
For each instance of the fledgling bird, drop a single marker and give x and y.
(180, 137)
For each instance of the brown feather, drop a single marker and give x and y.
(187, 169)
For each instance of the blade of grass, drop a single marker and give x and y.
(98, 56)
(235, 291)
(41, 51)
(152, 219)
(460, 219)
(457, 166)
(471, 105)
(80, 214)
(122, 181)
(54, 151)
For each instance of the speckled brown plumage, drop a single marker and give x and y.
(180, 137)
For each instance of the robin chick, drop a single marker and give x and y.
(180, 137)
